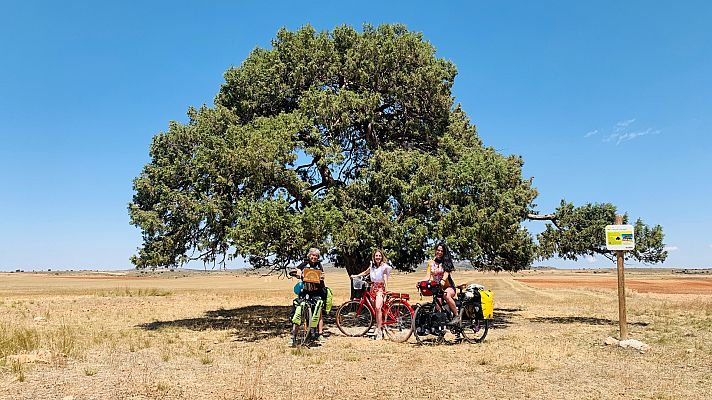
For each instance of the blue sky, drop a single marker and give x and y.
(606, 101)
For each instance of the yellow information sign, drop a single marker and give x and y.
(620, 237)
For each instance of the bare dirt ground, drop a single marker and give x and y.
(662, 283)
(224, 336)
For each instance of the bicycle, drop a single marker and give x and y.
(355, 317)
(432, 319)
(305, 318)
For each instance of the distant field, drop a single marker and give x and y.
(223, 335)
(638, 281)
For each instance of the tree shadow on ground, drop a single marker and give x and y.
(250, 323)
(582, 320)
(503, 317)
(502, 320)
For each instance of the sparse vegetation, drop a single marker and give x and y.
(129, 292)
(18, 370)
(19, 338)
(300, 351)
(209, 340)
(14, 339)
(165, 355)
(163, 387)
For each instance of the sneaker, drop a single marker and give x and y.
(379, 334)
(292, 343)
(423, 331)
(454, 321)
(321, 339)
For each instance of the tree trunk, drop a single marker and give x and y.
(354, 264)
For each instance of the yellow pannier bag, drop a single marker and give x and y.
(487, 304)
(329, 300)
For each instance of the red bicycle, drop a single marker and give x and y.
(355, 317)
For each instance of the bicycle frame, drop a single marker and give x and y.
(471, 329)
(369, 301)
(305, 331)
(394, 312)
(310, 315)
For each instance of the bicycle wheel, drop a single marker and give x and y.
(311, 332)
(300, 332)
(421, 322)
(398, 321)
(354, 318)
(474, 329)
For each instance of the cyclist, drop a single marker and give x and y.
(313, 289)
(440, 269)
(379, 271)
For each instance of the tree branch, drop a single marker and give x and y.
(210, 252)
(305, 166)
(316, 187)
(545, 217)
(326, 178)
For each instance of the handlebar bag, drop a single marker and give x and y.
(426, 287)
(311, 275)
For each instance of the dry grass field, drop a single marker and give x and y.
(222, 335)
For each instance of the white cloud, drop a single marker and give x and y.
(632, 135)
(628, 136)
(671, 248)
(590, 259)
(622, 125)
(622, 132)
(710, 246)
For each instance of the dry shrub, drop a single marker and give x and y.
(15, 339)
(61, 339)
(128, 292)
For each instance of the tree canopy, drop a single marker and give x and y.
(577, 231)
(346, 141)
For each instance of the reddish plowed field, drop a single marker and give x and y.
(672, 286)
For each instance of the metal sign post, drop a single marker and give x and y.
(620, 238)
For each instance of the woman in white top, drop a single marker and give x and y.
(379, 271)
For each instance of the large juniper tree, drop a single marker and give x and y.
(343, 140)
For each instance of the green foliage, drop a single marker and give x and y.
(578, 231)
(343, 140)
(649, 246)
